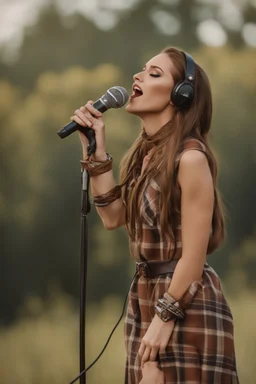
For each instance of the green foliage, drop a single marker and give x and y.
(233, 133)
(59, 41)
(42, 214)
(243, 310)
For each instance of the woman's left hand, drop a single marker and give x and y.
(155, 339)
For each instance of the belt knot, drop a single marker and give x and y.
(142, 269)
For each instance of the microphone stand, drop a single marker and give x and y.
(85, 208)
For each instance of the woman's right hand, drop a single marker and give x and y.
(88, 116)
(152, 374)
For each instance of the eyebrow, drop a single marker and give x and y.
(155, 67)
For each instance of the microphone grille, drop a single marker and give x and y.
(116, 97)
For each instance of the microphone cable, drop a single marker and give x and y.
(108, 340)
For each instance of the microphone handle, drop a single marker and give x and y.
(88, 132)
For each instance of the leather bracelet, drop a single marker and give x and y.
(96, 168)
(107, 198)
(174, 310)
(188, 296)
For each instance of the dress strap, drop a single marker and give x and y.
(188, 145)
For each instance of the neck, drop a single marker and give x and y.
(153, 122)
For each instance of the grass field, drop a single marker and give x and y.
(42, 346)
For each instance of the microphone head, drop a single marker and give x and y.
(115, 97)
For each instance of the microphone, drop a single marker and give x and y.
(115, 97)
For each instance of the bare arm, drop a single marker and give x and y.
(112, 215)
(197, 198)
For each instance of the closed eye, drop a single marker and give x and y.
(154, 75)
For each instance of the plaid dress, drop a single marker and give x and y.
(201, 347)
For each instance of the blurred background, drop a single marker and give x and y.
(54, 56)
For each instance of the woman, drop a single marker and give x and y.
(178, 325)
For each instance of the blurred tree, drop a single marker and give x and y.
(233, 137)
(57, 41)
(41, 197)
(53, 44)
(243, 259)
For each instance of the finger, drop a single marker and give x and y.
(146, 355)
(150, 364)
(83, 117)
(88, 115)
(141, 349)
(78, 121)
(153, 354)
(93, 110)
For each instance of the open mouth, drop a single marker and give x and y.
(137, 92)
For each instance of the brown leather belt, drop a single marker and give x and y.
(151, 269)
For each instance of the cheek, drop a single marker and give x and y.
(160, 95)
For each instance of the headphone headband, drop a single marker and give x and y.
(190, 67)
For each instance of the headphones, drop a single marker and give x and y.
(183, 92)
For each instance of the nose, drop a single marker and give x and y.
(137, 76)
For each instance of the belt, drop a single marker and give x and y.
(151, 269)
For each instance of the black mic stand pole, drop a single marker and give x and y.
(85, 208)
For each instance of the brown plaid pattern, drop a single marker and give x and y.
(201, 348)
(153, 244)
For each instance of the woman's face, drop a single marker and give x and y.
(152, 87)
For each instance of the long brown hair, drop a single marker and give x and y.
(193, 122)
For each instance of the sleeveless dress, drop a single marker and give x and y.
(201, 347)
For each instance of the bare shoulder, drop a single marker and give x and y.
(194, 166)
(192, 158)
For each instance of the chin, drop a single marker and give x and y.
(133, 110)
(130, 109)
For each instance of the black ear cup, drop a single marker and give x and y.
(183, 93)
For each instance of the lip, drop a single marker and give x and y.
(135, 85)
(133, 96)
